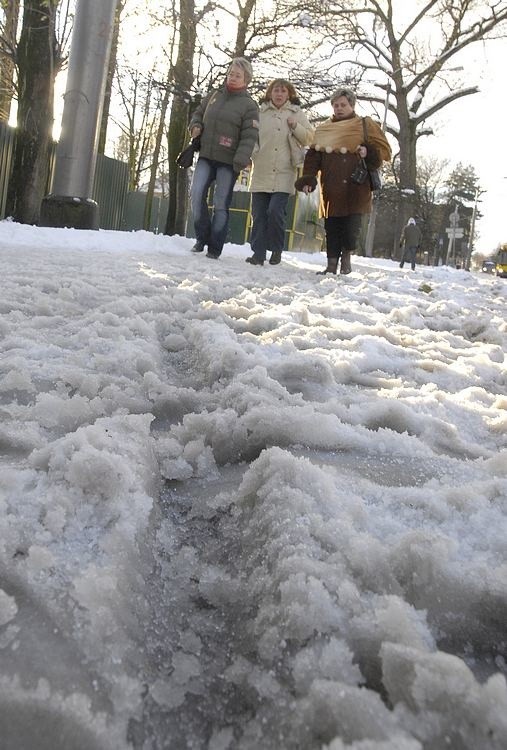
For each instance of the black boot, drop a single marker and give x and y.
(332, 265)
(254, 260)
(345, 266)
(276, 257)
(198, 247)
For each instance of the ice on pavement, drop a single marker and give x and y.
(244, 507)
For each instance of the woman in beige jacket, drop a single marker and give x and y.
(284, 131)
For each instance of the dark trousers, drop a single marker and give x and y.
(269, 212)
(409, 255)
(342, 234)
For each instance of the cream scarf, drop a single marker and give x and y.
(347, 135)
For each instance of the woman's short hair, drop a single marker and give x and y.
(245, 66)
(293, 95)
(347, 93)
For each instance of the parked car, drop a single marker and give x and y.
(488, 266)
(501, 263)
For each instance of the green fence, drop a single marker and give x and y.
(7, 136)
(133, 215)
(110, 186)
(110, 189)
(304, 232)
(120, 209)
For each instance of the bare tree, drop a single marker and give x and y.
(244, 28)
(111, 71)
(139, 103)
(182, 81)
(8, 31)
(39, 59)
(397, 59)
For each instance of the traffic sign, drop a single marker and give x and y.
(456, 232)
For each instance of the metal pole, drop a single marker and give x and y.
(70, 203)
(472, 232)
(452, 235)
(370, 232)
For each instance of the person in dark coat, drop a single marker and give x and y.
(332, 158)
(227, 121)
(410, 241)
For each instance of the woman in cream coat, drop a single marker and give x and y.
(284, 131)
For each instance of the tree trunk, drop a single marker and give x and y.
(407, 142)
(177, 133)
(177, 137)
(111, 70)
(36, 75)
(156, 157)
(245, 11)
(11, 10)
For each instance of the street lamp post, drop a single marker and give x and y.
(370, 233)
(472, 232)
(70, 203)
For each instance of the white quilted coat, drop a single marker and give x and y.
(273, 171)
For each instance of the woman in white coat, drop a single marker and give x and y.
(284, 131)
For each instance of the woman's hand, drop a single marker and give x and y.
(291, 122)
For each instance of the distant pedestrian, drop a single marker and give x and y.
(227, 121)
(284, 131)
(410, 242)
(339, 144)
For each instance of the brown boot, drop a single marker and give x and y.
(332, 265)
(345, 266)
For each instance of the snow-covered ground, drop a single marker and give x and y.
(248, 508)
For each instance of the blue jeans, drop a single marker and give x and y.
(212, 230)
(269, 211)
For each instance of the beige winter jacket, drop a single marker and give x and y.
(273, 169)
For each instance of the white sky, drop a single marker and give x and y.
(470, 131)
(235, 502)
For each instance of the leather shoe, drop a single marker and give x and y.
(198, 247)
(254, 261)
(276, 257)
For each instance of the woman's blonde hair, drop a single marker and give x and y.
(293, 96)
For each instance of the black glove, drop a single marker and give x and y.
(306, 180)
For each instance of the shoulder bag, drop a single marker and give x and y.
(374, 174)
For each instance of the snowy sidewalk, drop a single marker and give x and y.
(248, 507)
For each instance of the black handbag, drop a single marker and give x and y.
(185, 158)
(360, 173)
(375, 179)
(374, 174)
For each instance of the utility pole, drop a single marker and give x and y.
(370, 233)
(472, 232)
(70, 202)
(454, 232)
